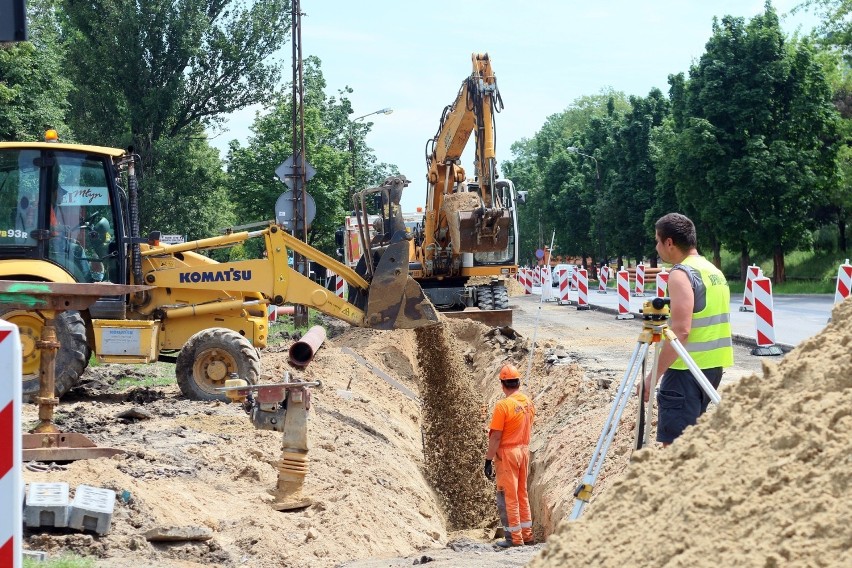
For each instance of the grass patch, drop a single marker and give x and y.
(808, 272)
(157, 381)
(285, 323)
(64, 561)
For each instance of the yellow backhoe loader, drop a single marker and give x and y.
(69, 213)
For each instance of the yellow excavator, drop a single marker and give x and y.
(464, 245)
(69, 213)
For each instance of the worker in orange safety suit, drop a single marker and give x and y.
(508, 444)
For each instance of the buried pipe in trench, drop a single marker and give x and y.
(302, 352)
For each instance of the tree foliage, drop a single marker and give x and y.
(327, 130)
(154, 73)
(759, 135)
(33, 82)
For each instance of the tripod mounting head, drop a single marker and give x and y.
(656, 309)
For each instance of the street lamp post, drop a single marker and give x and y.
(352, 146)
(575, 150)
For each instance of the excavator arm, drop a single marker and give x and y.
(455, 218)
(176, 270)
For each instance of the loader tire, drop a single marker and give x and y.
(485, 298)
(501, 297)
(209, 357)
(72, 358)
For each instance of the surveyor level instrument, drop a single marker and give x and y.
(655, 315)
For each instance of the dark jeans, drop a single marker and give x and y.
(681, 401)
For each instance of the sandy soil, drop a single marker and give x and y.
(394, 478)
(763, 481)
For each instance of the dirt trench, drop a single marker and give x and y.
(390, 475)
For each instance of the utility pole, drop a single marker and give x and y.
(300, 225)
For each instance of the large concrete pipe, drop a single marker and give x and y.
(302, 352)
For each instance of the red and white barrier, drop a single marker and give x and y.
(339, 286)
(527, 280)
(603, 277)
(574, 279)
(338, 282)
(11, 521)
(763, 317)
(623, 284)
(640, 280)
(564, 287)
(662, 280)
(844, 282)
(752, 272)
(582, 289)
(537, 277)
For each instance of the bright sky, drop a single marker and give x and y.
(413, 57)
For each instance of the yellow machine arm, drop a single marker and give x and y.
(177, 272)
(460, 218)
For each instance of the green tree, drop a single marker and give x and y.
(33, 82)
(152, 70)
(629, 185)
(254, 185)
(188, 194)
(758, 131)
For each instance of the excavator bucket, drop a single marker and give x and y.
(396, 301)
(482, 230)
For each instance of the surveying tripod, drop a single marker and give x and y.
(655, 315)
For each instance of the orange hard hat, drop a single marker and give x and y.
(509, 372)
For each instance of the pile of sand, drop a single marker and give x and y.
(762, 481)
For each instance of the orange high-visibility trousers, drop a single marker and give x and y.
(512, 467)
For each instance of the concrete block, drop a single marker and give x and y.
(35, 555)
(47, 505)
(92, 509)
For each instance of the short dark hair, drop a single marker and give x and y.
(512, 383)
(679, 228)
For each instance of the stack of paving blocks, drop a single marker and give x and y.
(47, 506)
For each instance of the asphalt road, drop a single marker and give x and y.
(796, 317)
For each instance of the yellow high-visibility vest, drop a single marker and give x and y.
(709, 342)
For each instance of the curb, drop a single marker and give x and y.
(739, 339)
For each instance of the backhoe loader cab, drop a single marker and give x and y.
(69, 213)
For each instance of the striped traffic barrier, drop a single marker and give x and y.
(339, 286)
(844, 282)
(640, 280)
(582, 289)
(752, 272)
(11, 494)
(662, 280)
(574, 278)
(564, 287)
(763, 317)
(623, 284)
(603, 277)
(537, 277)
(527, 281)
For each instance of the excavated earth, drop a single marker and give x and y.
(394, 463)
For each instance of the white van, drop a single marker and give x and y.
(557, 269)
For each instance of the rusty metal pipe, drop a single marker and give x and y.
(302, 352)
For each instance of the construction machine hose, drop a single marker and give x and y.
(133, 189)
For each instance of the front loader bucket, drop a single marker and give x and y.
(482, 230)
(395, 300)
